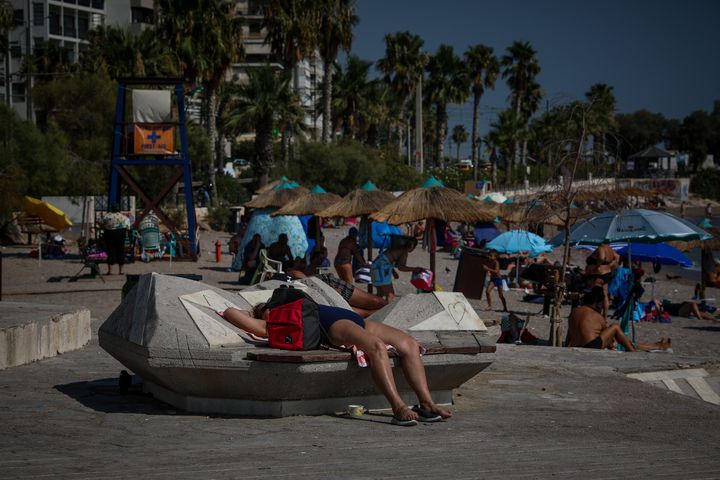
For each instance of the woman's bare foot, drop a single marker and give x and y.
(432, 407)
(404, 413)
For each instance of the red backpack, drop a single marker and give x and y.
(293, 321)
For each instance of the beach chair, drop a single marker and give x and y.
(266, 269)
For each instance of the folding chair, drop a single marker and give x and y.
(267, 268)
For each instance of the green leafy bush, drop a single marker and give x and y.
(705, 183)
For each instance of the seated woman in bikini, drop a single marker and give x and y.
(345, 327)
(600, 269)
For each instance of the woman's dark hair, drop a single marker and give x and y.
(594, 296)
(257, 310)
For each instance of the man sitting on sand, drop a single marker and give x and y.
(588, 329)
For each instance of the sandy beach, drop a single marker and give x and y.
(27, 280)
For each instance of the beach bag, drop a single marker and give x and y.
(293, 321)
(422, 280)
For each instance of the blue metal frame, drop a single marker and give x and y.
(118, 160)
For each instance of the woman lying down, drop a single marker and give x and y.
(345, 327)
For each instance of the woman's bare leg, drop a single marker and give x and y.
(362, 312)
(366, 301)
(344, 272)
(410, 361)
(244, 321)
(614, 333)
(347, 332)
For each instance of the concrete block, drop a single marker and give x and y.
(30, 332)
(166, 330)
(437, 311)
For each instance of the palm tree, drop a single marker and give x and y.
(482, 68)
(291, 30)
(352, 89)
(505, 134)
(446, 84)
(206, 38)
(265, 102)
(123, 53)
(336, 21)
(459, 136)
(49, 61)
(602, 116)
(403, 65)
(520, 67)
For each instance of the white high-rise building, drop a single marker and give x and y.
(61, 23)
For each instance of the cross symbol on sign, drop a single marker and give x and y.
(153, 137)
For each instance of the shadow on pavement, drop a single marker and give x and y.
(217, 269)
(704, 329)
(104, 395)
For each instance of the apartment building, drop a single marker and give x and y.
(65, 23)
(308, 75)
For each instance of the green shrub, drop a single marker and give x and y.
(705, 183)
(219, 216)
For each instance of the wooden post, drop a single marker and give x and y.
(559, 289)
(430, 223)
(368, 221)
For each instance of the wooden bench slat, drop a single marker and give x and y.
(445, 342)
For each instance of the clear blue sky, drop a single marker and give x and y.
(660, 55)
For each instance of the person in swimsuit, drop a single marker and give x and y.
(496, 280)
(347, 250)
(362, 303)
(588, 329)
(683, 309)
(383, 271)
(600, 270)
(345, 327)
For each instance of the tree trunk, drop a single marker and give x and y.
(327, 99)
(524, 159)
(475, 136)
(441, 135)
(457, 157)
(211, 111)
(263, 150)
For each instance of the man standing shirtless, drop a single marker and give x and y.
(588, 329)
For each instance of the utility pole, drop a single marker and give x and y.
(29, 66)
(418, 126)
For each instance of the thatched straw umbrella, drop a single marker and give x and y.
(277, 197)
(309, 203)
(433, 201)
(361, 202)
(275, 183)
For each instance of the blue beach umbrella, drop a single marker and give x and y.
(519, 241)
(485, 231)
(656, 252)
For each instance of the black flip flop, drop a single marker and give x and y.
(403, 423)
(426, 415)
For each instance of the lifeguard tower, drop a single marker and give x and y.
(153, 134)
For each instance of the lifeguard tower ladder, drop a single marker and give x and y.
(149, 140)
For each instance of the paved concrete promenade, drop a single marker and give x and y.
(537, 412)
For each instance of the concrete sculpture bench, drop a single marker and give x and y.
(166, 331)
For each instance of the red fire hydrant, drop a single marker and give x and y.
(218, 251)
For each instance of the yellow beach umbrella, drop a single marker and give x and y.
(49, 214)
